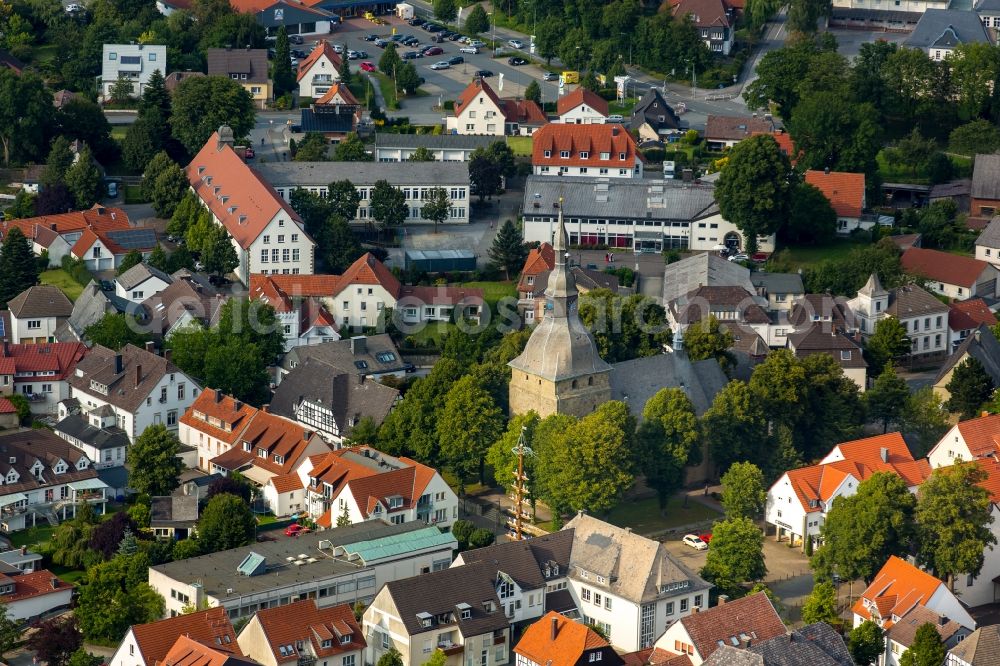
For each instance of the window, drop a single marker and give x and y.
(295, 238)
(548, 153)
(172, 417)
(112, 56)
(607, 602)
(564, 154)
(585, 594)
(348, 660)
(584, 154)
(845, 355)
(684, 605)
(597, 598)
(697, 600)
(267, 239)
(180, 391)
(263, 256)
(34, 324)
(621, 157)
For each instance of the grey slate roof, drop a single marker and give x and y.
(636, 568)
(321, 174)
(650, 108)
(638, 380)
(947, 28)
(434, 142)
(820, 339)
(526, 561)
(92, 304)
(76, 426)
(990, 237)
(905, 629)
(41, 300)
(987, 5)
(139, 273)
(625, 198)
(703, 270)
(347, 397)
(986, 177)
(981, 648)
(173, 511)
(99, 365)
(913, 301)
(777, 283)
(814, 644)
(347, 354)
(981, 345)
(252, 62)
(439, 592)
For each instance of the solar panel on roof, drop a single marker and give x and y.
(133, 239)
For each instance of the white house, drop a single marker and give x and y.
(751, 618)
(304, 320)
(300, 631)
(799, 500)
(30, 597)
(319, 71)
(36, 313)
(133, 62)
(603, 150)
(952, 275)
(57, 234)
(478, 110)
(95, 433)
(846, 194)
(898, 587)
(140, 282)
(939, 31)
(39, 372)
(362, 484)
(102, 250)
(582, 107)
(923, 316)
(972, 439)
(902, 634)
(988, 242)
(148, 644)
(142, 389)
(268, 235)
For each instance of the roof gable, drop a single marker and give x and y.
(156, 638)
(753, 617)
(845, 191)
(323, 49)
(943, 266)
(472, 91)
(897, 588)
(580, 96)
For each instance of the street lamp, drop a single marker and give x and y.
(694, 76)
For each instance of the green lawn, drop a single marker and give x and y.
(521, 145)
(494, 291)
(118, 132)
(433, 331)
(622, 109)
(808, 255)
(388, 89)
(60, 278)
(33, 537)
(133, 195)
(644, 516)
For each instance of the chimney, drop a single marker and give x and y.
(218, 396)
(119, 365)
(942, 620)
(695, 609)
(24, 550)
(723, 598)
(359, 345)
(884, 454)
(167, 354)
(237, 405)
(150, 347)
(614, 130)
(225, 137)
(826, 170)
(555, 628)
(52, 226)
(264, 408)
(138, 375)
(979, 335)
(361, 378)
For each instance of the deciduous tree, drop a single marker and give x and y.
(407, 79)
(886, 399)
(25, 115)
(168, 190)
(743, 492)
(888, 344)
(533, 92)
(924, 420)
(342, 247)
(476, 21)
(227, 522)
(735, 555)
(390, 60)
(624, 327)
(312, 148)
(821, 604)
(59, 160)
(284, 78)
(154, 462)
(218, 254)
(83, 180)
(133, 258)
(445, 10)
(437, 206)
(421, 154)
(116, 595)
(468, 424)
(667, 441)
(115, 330)
(706, 339)
(811, 218)
(202, 104)
(753, 190)
(736, 427)
(10, 631)
(388, 205)
(953, 519)
(55, 640)
(866, 643)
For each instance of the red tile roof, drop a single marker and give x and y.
(846, 191)
(784, 141)
(580, 96)
(233, 415)
(58, 357)
(188, 652)
(91, 236)
(705, 13)
(965, 315)
(593, 139)
(943, 266)
(335, 91)
(98, 217)
(302, 621)
(753, 615)
(523, 112)
(7, 407)
(369, 270)
(234, 192)
(274, 434)
(898, 587)
(322, 48)
(572, 640)
(36, 584)
(981, 435)
(286, 483)
(471, 91)
(300, 286)
(156, 638)
(540, 260)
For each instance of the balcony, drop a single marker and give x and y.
(452, 649)
(500, 640)
(306, 660)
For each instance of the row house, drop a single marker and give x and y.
(444, 147)
(630, 214)
(140, 387)
(923, 316)
(40, 372)
(266, 233)
(94, 433)
(43, 477)
(414, 179)
(265, 448)
(302, 634)
(799, 500)
(952, 275)
(31, 597)
(334, 401)
(604, 150)
(479, 110)
(362, 483)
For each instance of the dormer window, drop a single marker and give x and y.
(326, 643)
(584, 154)
(345, 639)
(466, 613)
(564, 154)
(279, 459)
(262, 453)
(548, 153)
(248, 447)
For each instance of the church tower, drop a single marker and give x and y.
(560, 371)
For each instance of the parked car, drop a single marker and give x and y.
(692, 540)
(484, 73)
(739, 257)
(516, 62)
(397, 38)
(410, 55)
(615, 118)
(295, 39)
(431, 27)
(112, 189)
(371, 38)
(550, 76)
(298, 53)
(416, 20)
(456, 60)
(250, 154)
(295, 529)
(352, 55)
(515, 43)
(469, 49)
(441, 64)
(434, 50)
(381, 43)
(477, 43)
(338, 48)
(367, 66)
(73, 7)
(454, 37)
(362, 54)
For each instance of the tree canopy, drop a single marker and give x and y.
(154, 461)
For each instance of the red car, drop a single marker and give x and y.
(295, 529)
(707, 537)
(434, 50)
(367, 66)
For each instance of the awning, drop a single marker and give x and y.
(87, 484)
(13, 498)
(258, 475)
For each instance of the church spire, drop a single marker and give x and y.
(561, 291)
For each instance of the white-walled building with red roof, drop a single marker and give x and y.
(366, 484)
(303, 318)
(582, 107)
(605, 151)
(479, 110)
(798, 502)
(319, 71)
(268, 235)
(300, 632)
